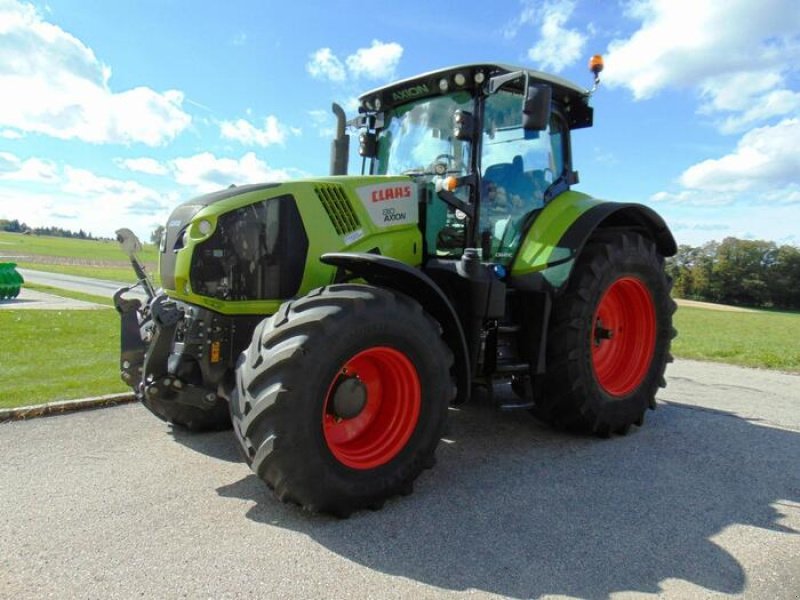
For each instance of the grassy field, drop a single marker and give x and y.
(51, 355)
(60, 355)
(86, 258)
(765, 339)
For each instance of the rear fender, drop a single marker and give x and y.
(559, 232)
(392, 274)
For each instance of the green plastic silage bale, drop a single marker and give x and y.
(5, 281)
(10, 281)
(18, 281)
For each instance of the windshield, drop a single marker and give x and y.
(418, 138)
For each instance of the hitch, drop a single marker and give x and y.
(134, 325)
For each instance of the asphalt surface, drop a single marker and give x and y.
(702, 502)
(87, 285)
(35, 300)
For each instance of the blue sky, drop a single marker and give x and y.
(114, 112)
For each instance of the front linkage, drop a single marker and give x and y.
(174, 356)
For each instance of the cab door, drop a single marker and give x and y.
(519, 170)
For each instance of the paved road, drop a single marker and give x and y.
(86, 285)
(704, 501)
(29, 299)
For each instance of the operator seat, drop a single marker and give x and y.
(514, 180)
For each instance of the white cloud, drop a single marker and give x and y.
(107, 203)
(379, 61)
(376, 62)
(526, 17)
(81, 198)
(558, 47)
(62, 90)
(702, 226)
(149, 166)
(147, 207)
(694, 198)
(351, 104)
(12, 168)
(248, 134)
(741, 59)
(737, 55)
(772, 104)
(760, 171)
(324, 65)
(765, 158)
(85, 183)
(323, 122)
(206, 173)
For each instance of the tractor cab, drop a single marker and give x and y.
(487, 144)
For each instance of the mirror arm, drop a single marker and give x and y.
(456, 202)
(495, 83)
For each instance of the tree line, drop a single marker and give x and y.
(742, 272)
(15, 226)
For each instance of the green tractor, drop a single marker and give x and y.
(334, 320)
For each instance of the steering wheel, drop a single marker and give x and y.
(448, 161)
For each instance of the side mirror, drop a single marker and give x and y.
(536, 110)
(367, 144)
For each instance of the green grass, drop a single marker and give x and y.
(50, 355)
(61, 355)
(101, 259)
(765, 339)
(50, 246)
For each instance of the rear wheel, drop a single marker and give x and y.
(609, 338)
(342, 397)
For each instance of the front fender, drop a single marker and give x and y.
(392, 274)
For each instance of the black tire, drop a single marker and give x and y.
(216, 418)
(601, 380)
(288, 381)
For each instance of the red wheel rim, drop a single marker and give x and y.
(390, 410)
(623, 336)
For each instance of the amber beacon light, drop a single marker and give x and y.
(596, 66)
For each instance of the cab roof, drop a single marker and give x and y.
(572, 99)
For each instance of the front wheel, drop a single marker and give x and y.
(609, 338)
(342, 397)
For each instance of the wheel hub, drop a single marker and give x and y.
(623, 336)
(372, 408)
(601, 333)
(349, 398)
